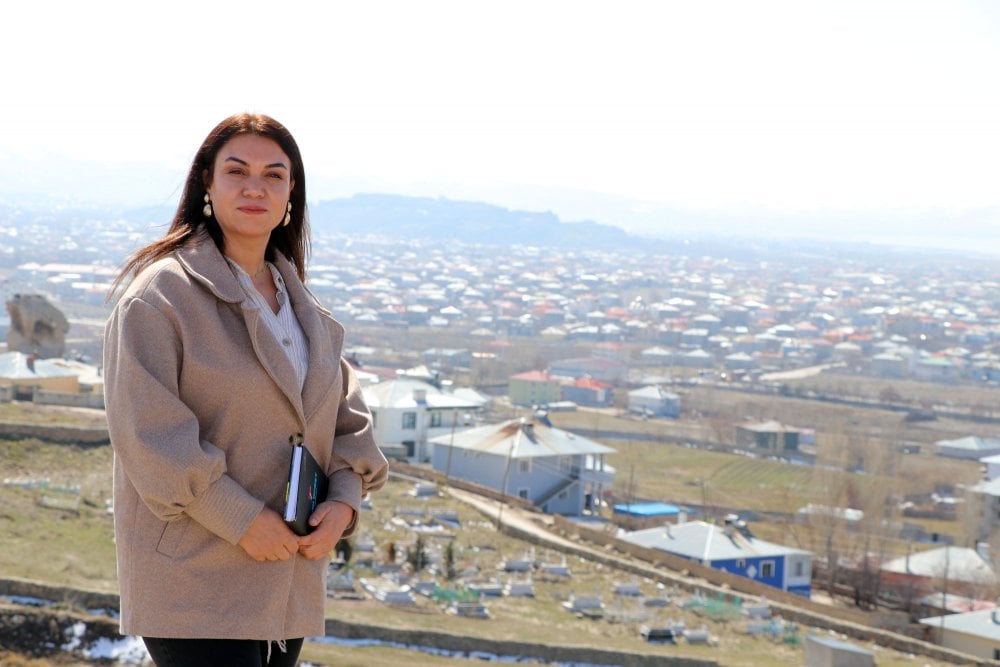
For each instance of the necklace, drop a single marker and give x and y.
(259, 271)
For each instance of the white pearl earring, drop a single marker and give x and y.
(207, 211)
(288, 214)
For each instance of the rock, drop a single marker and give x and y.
(36, 327)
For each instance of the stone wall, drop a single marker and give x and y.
(62, 433)
(547, 652)
(67, 399)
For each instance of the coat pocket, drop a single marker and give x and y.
(172, 537)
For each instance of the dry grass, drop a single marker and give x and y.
(60, 533)
(75, 548)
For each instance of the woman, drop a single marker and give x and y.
(215, 357)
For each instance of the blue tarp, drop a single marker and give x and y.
(647, 509)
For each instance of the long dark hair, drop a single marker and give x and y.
(291, 240)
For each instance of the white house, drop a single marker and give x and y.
(653, 400)
(731, 548)
(992, 464)
(975, 633)
(988, 494)
(408, 412)
(558, 471)
(961, 569)
(970, 447)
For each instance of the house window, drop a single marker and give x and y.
(435, 419)
(767, 569)
(522, 493)
(524, 465)
(800, 568)
(741, 564)
(409, 420)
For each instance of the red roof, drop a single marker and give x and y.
(591, 383)
(533, 376)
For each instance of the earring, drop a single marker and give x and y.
(207, 211)
(288, 214)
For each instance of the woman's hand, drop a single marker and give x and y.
(330, 520)
(268, 538)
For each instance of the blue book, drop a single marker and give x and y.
(307, 487)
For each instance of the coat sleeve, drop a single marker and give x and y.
(156, 435)
(357, 466)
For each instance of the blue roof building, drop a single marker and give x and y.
(731, 548)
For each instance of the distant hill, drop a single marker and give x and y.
(472, 222)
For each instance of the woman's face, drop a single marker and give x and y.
(249, 186)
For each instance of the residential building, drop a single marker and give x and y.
(697, 358)
(770, 435)
(974, 633)
(739, 361)
(440, 356)
(656, 356)
(558, 471)
(938, 369)
(587, 391)
(25, 374)
(407, 412)
(534, 388)
(654, 401)
(987, 493)
(970, 447)
(958, 570)
(732, 548)
(605, 370)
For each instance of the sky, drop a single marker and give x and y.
(615, 111)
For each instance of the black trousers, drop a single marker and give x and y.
(221, 652)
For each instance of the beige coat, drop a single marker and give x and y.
(201, 401)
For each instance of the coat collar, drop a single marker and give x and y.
(204, 262)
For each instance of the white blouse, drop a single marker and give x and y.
(283, 325)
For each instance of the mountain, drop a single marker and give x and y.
(472, 222)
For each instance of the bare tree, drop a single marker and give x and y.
(829, 493)
(879, 503)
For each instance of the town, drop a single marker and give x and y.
(838, 403)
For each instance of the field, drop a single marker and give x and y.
(717, 482)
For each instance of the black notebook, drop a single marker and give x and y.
(307, 487)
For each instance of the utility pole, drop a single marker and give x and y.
(514, 442)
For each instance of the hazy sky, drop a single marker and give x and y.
(782, 106)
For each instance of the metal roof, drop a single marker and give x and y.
(400, 393)
(989, 487)
(522, 438)
(972, 443)
(959, 563)
(984, 623)
(14, 366)
(707, 542)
